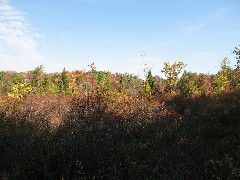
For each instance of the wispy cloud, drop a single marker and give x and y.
(191, 27)
(143, 49)
(17, 38)
(206, 54)
(219, 13)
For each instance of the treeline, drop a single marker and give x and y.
(81, 81)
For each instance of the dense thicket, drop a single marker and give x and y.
(99, 125)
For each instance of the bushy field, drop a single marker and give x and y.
(78, 137)
(98, 125)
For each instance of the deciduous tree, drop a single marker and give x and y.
(171, 72)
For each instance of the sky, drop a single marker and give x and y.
(117, 35)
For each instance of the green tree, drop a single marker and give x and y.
(237, 53)
(150, 84)
(18, 78)
(63, 82)
(171, 72)
(225, 67)
(221, 80)
(187, 84)
(36, 78)
(50, 82)
(2, 81)
(103, 80)
(8, 81)
(235, 75)
(127, 83)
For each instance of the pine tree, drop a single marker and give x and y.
(63, 83)
(150, 84)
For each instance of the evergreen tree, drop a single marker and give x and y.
(150, 84)
(63, 83)
(237, 53)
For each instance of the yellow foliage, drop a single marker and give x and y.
(18, 90)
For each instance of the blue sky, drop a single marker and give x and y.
(118, 35)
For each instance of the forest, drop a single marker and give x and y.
(90, 124)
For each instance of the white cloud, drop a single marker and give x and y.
(18, 46)
(64, 36)
(192, 27)
(204, 55)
